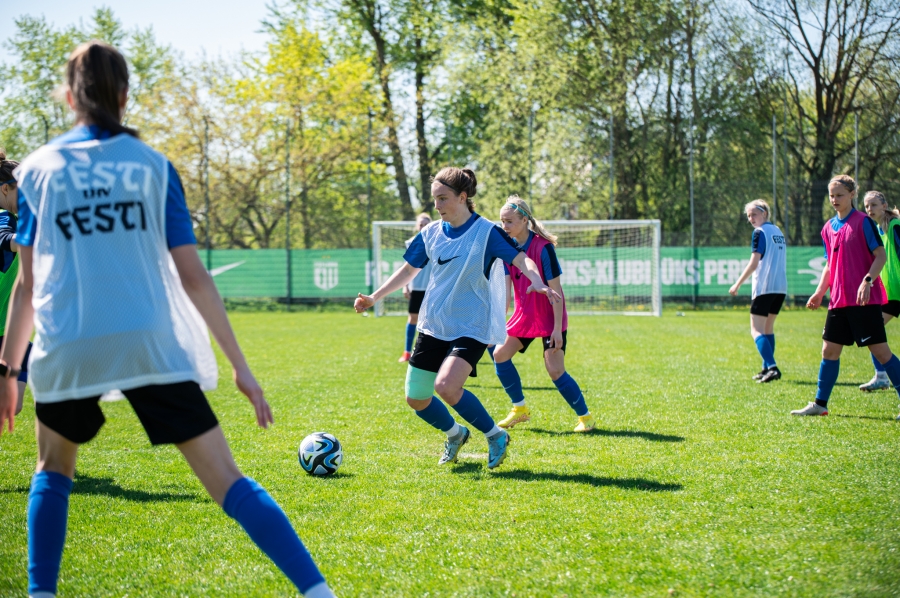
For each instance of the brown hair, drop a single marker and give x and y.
(422, 220)
(97, 74)
(6, 170)
(889, 213)
(522, 207)
(461, 180)
(845, 180)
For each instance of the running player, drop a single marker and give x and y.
(889, 228)
(534, 318)
(415, 292)
(462, 313)
(9, 264)
(105, 246)
(769, 287)
(855, 256)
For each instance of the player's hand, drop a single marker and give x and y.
(733, 291)
(814, 302)
(862, 295)
(543, 289)
(406, 293)
(556, 340)
(362, 303)
(9, 396)
(248, 385)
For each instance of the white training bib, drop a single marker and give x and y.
(771, 274)
(460, 301)
(110, 311)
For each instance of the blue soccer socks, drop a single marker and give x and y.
(771, 338)
(570, 391)
(490, 351)
(892, 367)
(437, 415)
(471, 410)
(766, 351)
(410, 336)
(878, 366)
(512, 383)
(828, 375)
(250, 505)
(48, 510)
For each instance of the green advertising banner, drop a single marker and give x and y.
(342, 273)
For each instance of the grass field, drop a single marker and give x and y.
(697, 482)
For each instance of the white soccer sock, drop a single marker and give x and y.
(454, 431)
(495, 431)
(42, 595)
(881, 375)
(319, 591)
(519, 404)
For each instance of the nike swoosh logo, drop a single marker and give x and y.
(442, 262)
(865, 339)
(223, 269)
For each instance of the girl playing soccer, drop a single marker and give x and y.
(769, 268)
(534, 318)
(855, 255)
(108, 256)
(464, 310)
(415, 292)
(888, 221)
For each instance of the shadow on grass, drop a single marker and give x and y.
(591, 480)
(467, 467)
(85, 484)
(878, 419)
(815, 383)
(618, 433)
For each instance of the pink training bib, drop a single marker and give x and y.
(533, 316)
(849, 260)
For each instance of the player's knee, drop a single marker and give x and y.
(451, 393)
(418, 404)
(555, 371)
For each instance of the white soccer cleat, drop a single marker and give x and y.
(811, 409)
(876, 383)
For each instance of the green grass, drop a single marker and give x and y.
(697, 483)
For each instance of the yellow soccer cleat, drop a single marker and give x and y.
(585, 423)
(516, 416)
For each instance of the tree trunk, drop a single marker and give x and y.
(421, 141)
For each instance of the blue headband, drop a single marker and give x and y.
(8, 182)
(518, 209)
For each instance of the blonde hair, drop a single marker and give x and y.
(889, 213)
(422, 220)
(758, 204)
(847, 181)
(521, 206)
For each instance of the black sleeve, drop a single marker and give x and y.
(7, 230)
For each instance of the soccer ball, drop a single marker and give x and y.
(320, 454)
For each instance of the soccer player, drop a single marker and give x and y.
(464, 310)
(415, 292)
(855, 256)
(888, 221)
(9, 265)
(109, 258)
(535, 318)
(768, 267)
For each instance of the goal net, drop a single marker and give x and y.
(610, 267)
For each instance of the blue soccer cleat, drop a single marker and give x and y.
(497, 447)
(451, 447)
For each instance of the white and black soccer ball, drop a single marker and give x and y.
(320, 454)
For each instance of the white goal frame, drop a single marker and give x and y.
(556, 226)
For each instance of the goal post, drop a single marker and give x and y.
(610, 267)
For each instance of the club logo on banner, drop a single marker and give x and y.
(325, 275)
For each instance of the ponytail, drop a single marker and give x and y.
(522, 207)
(96, 75)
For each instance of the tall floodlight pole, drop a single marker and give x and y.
(612, 168)
(369, 206)
(774, 168)
(691, 195)
(530, 149)
(206, 191)
(287, 207)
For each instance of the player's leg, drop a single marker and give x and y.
(883, 354)
(880, 380)
(555, 362)
(411, 321)
(763, 345)
(512, 383)
(828, 375)
(772, 373)
(449, 386)
(22, 381)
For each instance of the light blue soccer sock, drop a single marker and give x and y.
(437, 415)
(267, 525)
(828, 375)
(410, 336)
(471, 410)
(512, 383)
(878, 367)
(765, 350)
(571, 392)
(892, 367)
(48, 510)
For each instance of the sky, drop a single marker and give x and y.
(221, 27)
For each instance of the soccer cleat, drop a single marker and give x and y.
(875, 383)
(451, 447)
(497, 447)
(811, 409)
(517, 415)
(405, 357)
(585, 423)
(760, 375)
(773, 373)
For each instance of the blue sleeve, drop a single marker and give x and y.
(758, 244)
(179, 227)
(824, 249)
(549, 264)
(7, 230)
(505, 270)
(501, 245)
(873, 239)
(415, 254)
(27, 223)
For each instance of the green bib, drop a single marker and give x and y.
(7, 280)
(890, 274)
